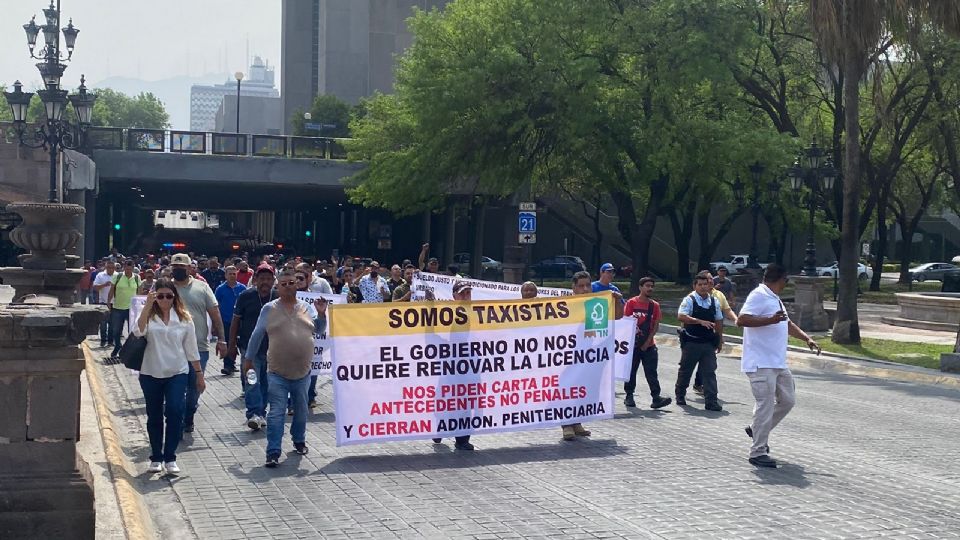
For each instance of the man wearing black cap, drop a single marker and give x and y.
(461, 293)
(249, 305)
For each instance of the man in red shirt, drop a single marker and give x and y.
(646, 311)
(243, 271)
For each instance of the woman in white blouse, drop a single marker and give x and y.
(171, 351)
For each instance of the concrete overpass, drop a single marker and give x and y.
(169, 180)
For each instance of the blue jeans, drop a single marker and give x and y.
(165, 398)
(312, 393)
(117, 318)
(279, 388)
(104, 328)
(193, 396)
(255, 397)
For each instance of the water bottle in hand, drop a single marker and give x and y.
(251, 377)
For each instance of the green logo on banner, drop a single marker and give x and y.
(596, 310)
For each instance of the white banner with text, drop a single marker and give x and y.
(438, 369)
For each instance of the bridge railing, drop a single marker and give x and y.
(212, 143)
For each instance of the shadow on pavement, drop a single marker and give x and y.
(912, 389)
(695, 411)
(438, 459)
(788, 474)
(642, 413)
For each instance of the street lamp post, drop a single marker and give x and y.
(239, 77)
(57, 133)
(818, 174)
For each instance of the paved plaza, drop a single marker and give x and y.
(860, 458)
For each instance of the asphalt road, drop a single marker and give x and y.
(861, 458)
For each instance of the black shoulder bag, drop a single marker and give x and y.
(643, 331)
(131, 354)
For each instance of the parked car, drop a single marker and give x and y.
(560, 266)
(933, 270)
(734, 264)
(863, 271)
(489, 264)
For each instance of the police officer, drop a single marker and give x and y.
(701, 338)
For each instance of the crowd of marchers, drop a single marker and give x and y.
(248, 312)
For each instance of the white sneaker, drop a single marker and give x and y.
(172, 467)
(253, 422)
(155, 466)
(263, 422)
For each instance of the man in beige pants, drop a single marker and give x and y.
(765, 329)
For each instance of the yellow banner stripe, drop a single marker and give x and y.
(388, 319)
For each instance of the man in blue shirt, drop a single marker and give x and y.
(701, 338)
(605, 283)
(227, 293)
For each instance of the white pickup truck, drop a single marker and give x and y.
(735, 264)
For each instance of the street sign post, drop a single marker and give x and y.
(528, 238)
(528, 207)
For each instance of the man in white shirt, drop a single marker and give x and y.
(373, 288)
(102, 285)
(765, 329)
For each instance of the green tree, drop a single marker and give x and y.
(5, 114)
(328, 111)
(116, 109)
(112, 109)
(850, 32)
(630, 98)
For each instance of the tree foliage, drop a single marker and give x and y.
(332, 113)
(112, 109)
(654, 107)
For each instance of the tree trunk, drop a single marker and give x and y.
(682, 225)
(709, 243)
(906, 251)
(479, 224)
(846, 329)
(881, 247)
(640, 235)
(598, 235)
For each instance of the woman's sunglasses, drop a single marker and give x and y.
(166, 296)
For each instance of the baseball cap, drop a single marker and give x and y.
(607, 267)
(461, 286)
(180, 258)
(264, 268)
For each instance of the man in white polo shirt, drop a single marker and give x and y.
(765, 329)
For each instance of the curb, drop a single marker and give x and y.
(838, 363)
(133, 512)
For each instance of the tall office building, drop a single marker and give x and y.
(205, 101)
(346, 48)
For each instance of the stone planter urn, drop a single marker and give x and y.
(46, 232)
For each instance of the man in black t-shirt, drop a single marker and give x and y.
(214, 275)
(245, 315)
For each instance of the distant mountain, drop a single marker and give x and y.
(173, 92)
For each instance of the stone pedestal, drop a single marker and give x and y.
(807, 309)
(950, 362)
(45, 488)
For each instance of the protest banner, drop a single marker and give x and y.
(441, 288)
(625, 331)
(439, 369)
(427, 286)
(322, 362)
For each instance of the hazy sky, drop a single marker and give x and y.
(145, 39)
